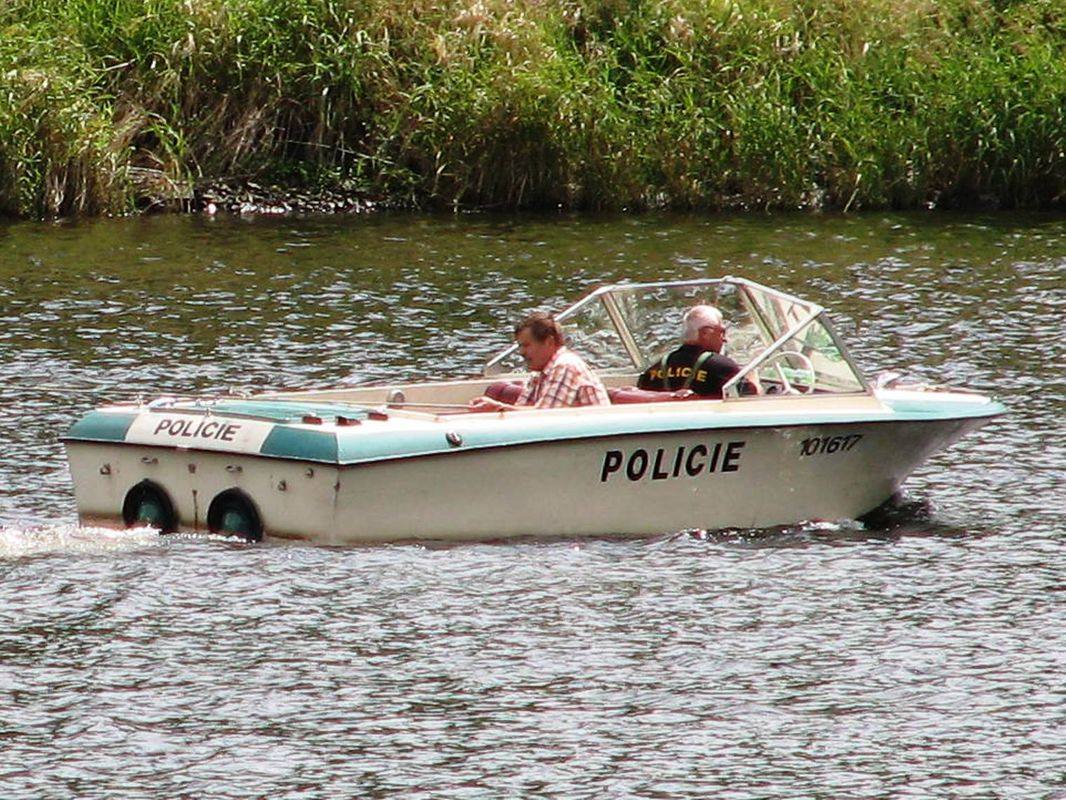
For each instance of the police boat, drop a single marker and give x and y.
(406, 462)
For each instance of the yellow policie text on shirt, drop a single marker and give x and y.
(656, 373)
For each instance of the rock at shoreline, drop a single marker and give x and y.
(248, 197)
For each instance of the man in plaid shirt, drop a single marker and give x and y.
(561, 379)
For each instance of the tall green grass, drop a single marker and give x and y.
(580, 104)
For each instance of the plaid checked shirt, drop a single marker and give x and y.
(566, 380)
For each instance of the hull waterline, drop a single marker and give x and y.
(623, 484)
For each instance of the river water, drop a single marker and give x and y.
(923, 656)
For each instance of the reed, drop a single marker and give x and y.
(706, 104)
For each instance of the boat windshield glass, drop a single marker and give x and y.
(625, 328)
(810, 361)
(591, 333)
(653, 315)
(775, 313)
(651, 320)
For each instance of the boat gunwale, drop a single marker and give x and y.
(996, 410)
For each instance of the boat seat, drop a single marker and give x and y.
(505, 391)
(509, 392)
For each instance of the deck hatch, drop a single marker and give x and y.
(284, 442)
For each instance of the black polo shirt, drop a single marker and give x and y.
(712, 374)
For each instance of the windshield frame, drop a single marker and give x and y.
(749, 292)
(621, 329)
(732, 387)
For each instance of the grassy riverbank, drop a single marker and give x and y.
(584, 104)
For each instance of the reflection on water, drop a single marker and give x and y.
(918, 654)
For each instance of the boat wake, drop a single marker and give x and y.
(899, 516)
(35, 540)
(899, 511)
(797, 535)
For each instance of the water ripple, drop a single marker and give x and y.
(916, 655)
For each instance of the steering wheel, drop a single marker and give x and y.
(807, 365)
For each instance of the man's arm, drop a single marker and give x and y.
(484, 403)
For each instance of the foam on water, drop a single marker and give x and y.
(34, 540)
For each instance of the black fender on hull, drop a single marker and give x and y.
(148, 505)
(233, 513)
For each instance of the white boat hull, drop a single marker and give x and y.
(617, 485)
(808, 439)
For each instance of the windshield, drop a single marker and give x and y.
(810, 360)
(630, 327)
(653, 316)
(624, 328)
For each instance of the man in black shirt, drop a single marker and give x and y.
(698, 364)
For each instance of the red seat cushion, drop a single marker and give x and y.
(505, 391)
(509, 392)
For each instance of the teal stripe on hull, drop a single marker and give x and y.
(97, 426)
(390, 444)
(378, 441)
(931, 409)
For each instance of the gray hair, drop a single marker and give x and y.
(698, 317)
